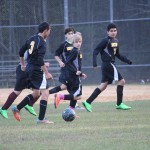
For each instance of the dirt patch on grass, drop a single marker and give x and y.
(131, 93)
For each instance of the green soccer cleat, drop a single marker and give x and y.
(30, 110)
(123, 106)
(4, 113)
(87, 106)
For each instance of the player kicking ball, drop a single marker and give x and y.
(72, 74)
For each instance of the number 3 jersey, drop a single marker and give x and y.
(36, 48)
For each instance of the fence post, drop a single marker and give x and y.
(66, 19)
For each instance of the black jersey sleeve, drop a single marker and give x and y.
(23, 49)
(80, 56)
(122, 58)
(60, 49)
(101, 46)
(72, 56)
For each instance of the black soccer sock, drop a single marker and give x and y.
(25, 101)
(31, 103)
(95, 93)
(43, 107)
(73, 103)
(68, 97)
(55, 90)
(119, 94)
(9, 100)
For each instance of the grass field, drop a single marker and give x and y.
(104, 129)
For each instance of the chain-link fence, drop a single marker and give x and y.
(19, 20)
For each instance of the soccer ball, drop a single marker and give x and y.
(68, 114)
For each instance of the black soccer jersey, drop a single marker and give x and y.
(36, 47)
(64, 50)
(71, 63)
(109, 49)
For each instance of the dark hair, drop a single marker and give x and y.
(43, 26)
(110, 26)
(67, 30)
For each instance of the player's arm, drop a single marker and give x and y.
(101, 46)
(122, 58)
(72, 56)
(47, 74)
(41, 54)
(61, 64)
(21, 55)
(58, 52)
(80, 56)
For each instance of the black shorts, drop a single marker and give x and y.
(72, 81)
(110, 73)
(64, 75)
(74, 86)
(36, 77)
(21, 79)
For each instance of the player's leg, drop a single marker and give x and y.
(59, 97)
(44, 99)
(93, 96)
(11, 98)
(19, 86)
(57, 89)
(29, 107)
(43, 107)
(23, 103)
(62, 80)
(73, 87)
(120, 104)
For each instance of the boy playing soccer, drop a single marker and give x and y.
(37, 72)
(109, 49)
(72, 73)
(60, 55)
(21, 84)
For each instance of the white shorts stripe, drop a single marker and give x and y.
(77, 92)
(44, 83)
(115, 73)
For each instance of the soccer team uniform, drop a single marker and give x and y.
(72, 65)
(109, 49)
(62, 52)
(36, 48)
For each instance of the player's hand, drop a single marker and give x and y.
(61, 64)
(78, 73)
(47, 64)
(48, 76)
(23, 68)
(84, 76)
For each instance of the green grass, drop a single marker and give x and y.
(103, 129)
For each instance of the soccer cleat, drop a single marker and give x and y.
(123, 106)
(44, 121)
(56, 100)
(30, 109)
(16, 113)
(79, 108)
(87, 106)
(4, 113)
